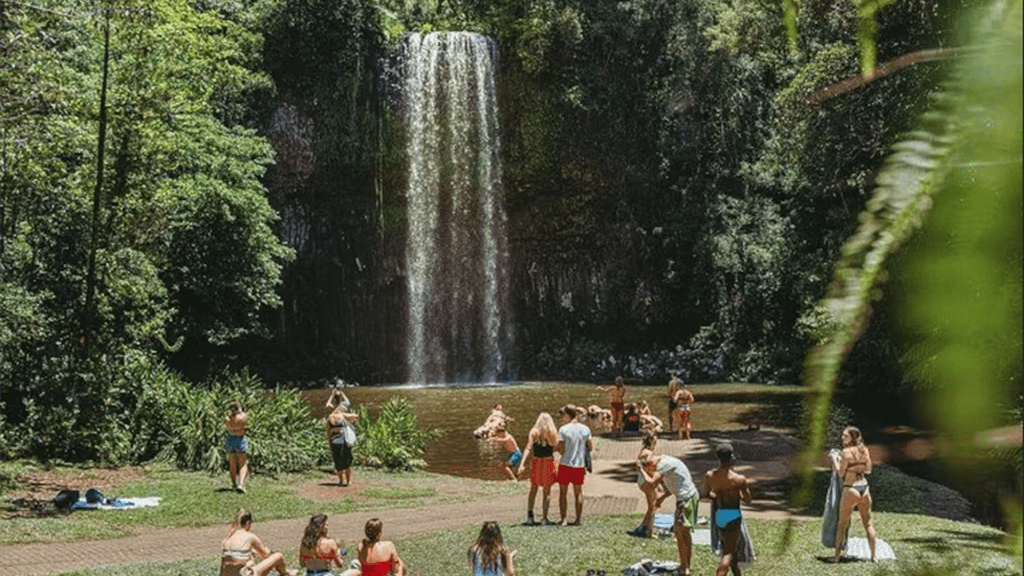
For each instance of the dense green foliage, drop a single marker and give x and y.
(133, 210)
(961, 281)
(393, 440)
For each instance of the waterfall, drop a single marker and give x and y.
(456, 255)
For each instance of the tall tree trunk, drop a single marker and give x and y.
(89, 315)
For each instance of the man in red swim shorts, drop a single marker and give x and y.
(574, 442)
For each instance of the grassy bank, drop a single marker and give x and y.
(924, 547)
(194, 499)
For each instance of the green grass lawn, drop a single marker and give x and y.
(193, 499)
(924, 547)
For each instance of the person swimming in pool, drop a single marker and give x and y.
(727, 488)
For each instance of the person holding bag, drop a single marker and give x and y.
(341, 435)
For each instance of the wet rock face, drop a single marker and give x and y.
(291, 134)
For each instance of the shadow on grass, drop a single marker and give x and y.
(988, 541)
(947, 540)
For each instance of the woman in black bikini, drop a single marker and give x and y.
(853, 467)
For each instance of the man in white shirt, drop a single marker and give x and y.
(675, 477)
(574, 442)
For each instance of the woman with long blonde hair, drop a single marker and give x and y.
(540, 444)
(240, 548)
(853, 467)
(489, 556)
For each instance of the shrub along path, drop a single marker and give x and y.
(764, 455)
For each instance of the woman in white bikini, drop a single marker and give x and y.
(240, 548)
(853, 467)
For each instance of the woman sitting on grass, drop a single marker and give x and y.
(378, 557)
(489, 556)
(240, 547)
(317, 552)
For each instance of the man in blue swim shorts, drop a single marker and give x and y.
(236, 446)
(726, 488)
(508, 443)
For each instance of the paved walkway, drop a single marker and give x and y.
(611, 489)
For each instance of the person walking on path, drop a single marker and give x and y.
(574, 442)
(317, 552)
(489, 556)
(341, 435)
(725, 487)
(853, 466)
(240, 548)
(684, 402)
(378, 557)
(540, 444)
(236, 446)
(512, 456)
(617, 402)
(673, 474)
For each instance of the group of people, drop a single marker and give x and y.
(659, 477)
(244, 554)
(637, 416)
(341, 438)
(572, 441)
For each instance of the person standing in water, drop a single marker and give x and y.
(673, 387)
(236, 446)
(727, 488)
(684, 402)
(512, 456)
(617, 402)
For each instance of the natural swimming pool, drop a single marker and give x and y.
(458, 410)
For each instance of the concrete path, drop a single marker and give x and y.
(611, 489)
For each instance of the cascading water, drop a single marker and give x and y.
(457, 254)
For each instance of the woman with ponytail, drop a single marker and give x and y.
(378, 557)
(240, 548)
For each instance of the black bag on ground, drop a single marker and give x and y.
(65, 499)
(94, 496)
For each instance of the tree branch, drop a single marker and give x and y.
(883, 70)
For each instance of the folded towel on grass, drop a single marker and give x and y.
(117, 504)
